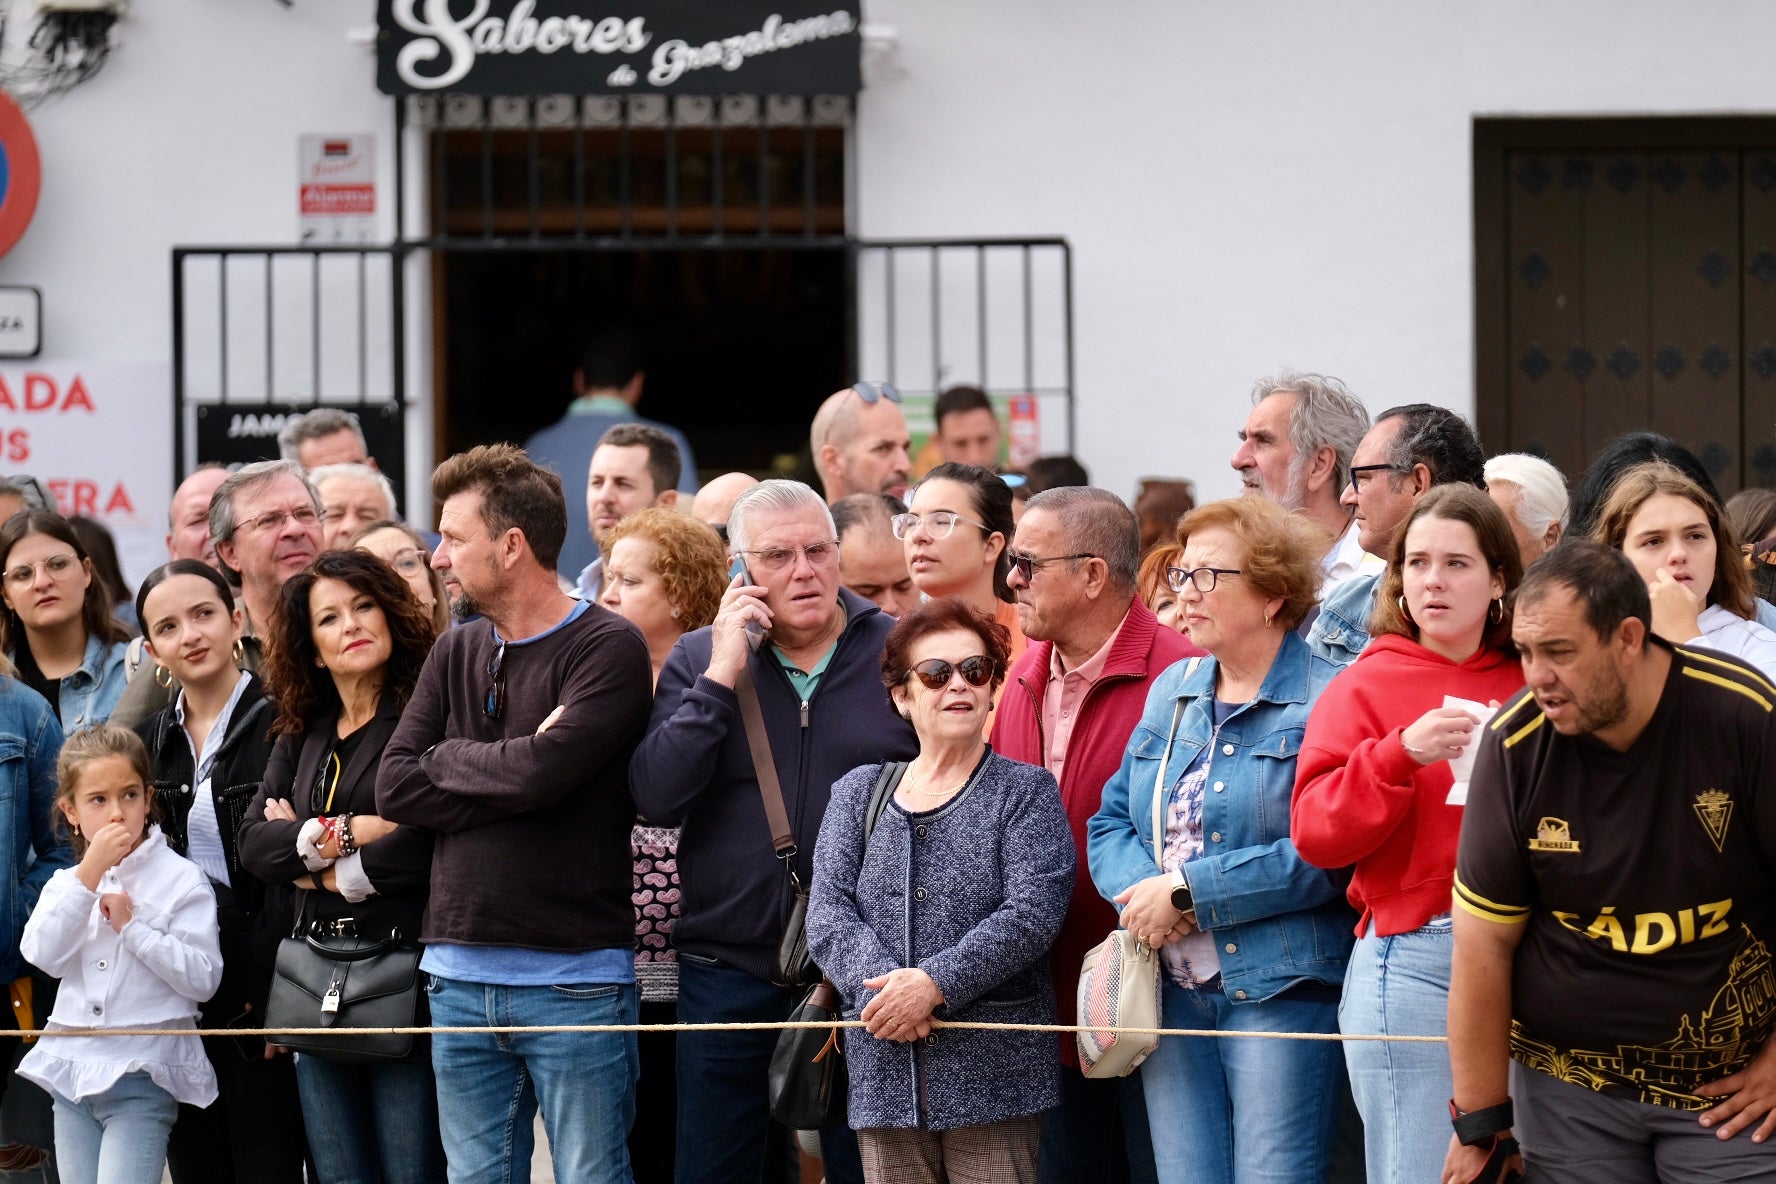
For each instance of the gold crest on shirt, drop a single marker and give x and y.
(1553, 834)
(1715, 809)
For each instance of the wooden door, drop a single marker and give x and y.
(1627, 280)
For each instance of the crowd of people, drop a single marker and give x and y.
(1403, 742)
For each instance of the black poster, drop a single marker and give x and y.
(235, 434)
(572, 47)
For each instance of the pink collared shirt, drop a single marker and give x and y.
(1066, 693)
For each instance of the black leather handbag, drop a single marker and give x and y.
(346, 984)
(807, 1081)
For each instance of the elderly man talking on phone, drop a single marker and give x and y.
(811, 654)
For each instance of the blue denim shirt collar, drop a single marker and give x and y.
(1287, 681)
(91, 664)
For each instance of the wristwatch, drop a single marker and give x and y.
(1181, 898)
(1474, 1128)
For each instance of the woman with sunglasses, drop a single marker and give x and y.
(985, 843)
(55, 619)
(956, 532)
(400, 546)
(343, 660)
(208, 750)
(1192, 842)
(1373, 794)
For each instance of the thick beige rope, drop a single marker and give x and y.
(961, 1025)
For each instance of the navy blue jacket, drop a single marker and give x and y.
(694, 769)
(973, 893)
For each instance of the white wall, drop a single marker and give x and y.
(1244, 185)
(188, 136)
(1248, 185)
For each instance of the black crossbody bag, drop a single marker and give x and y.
(807, 1079)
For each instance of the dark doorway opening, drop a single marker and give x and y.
(740, 344)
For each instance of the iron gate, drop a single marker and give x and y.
(261, 332)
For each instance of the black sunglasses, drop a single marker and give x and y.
(1027, 566)
(875, 392)
(494, 706)
(935, 672)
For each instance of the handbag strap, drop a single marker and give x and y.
(1165, 754)
(892, 772)
(764, 768)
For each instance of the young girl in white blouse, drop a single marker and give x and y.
(131, 932)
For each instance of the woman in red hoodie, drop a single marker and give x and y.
(1374, 790)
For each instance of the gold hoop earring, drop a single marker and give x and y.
(1497, 612)
(163, 678)
(240, 653)
(1404, 612)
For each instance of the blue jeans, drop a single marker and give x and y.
(1254, 1110)
(371, 1122)
(1399, 986)
(1098, 1132)
(490, 1087)
(115, 1137)
(724, 1110)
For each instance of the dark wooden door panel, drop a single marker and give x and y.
(1547, 284)
(1617, 295)
(1693, 223)
(1626, 276)
(1757, 189)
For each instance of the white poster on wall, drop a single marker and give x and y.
(337, 188)
(99, 436)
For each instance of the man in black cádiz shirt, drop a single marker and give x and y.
(1615, 900)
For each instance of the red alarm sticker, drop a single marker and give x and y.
(21, 173)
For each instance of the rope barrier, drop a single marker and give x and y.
(785, 1025)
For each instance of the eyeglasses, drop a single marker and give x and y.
(1027, 566)
(409, 561)
(494, 706)
(1203, 577)
(777, 559)
(1358, 471)
(939, 524)
(274, 519)
(875, 392)
(935, 672)
(58, 566)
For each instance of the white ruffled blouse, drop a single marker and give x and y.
(153, 974)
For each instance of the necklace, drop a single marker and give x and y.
(929, 793)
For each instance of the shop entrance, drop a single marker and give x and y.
(716, 229)
(739, 344)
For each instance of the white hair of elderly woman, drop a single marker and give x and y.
(1542, 498)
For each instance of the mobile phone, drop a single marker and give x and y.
(755, 632)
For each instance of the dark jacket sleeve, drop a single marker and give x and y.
(400, 861)
(604, 701)
(692, 717)
(406, 793)
(268, 848)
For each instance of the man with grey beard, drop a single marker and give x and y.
(1296, 450)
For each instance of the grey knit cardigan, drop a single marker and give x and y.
(973, 893)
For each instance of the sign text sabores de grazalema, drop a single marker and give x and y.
(537, 47)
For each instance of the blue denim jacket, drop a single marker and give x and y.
(30, 741)
(1278, 921)
(1341, 630)
(89, 693)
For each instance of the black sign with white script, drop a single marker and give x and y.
(573, 47)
